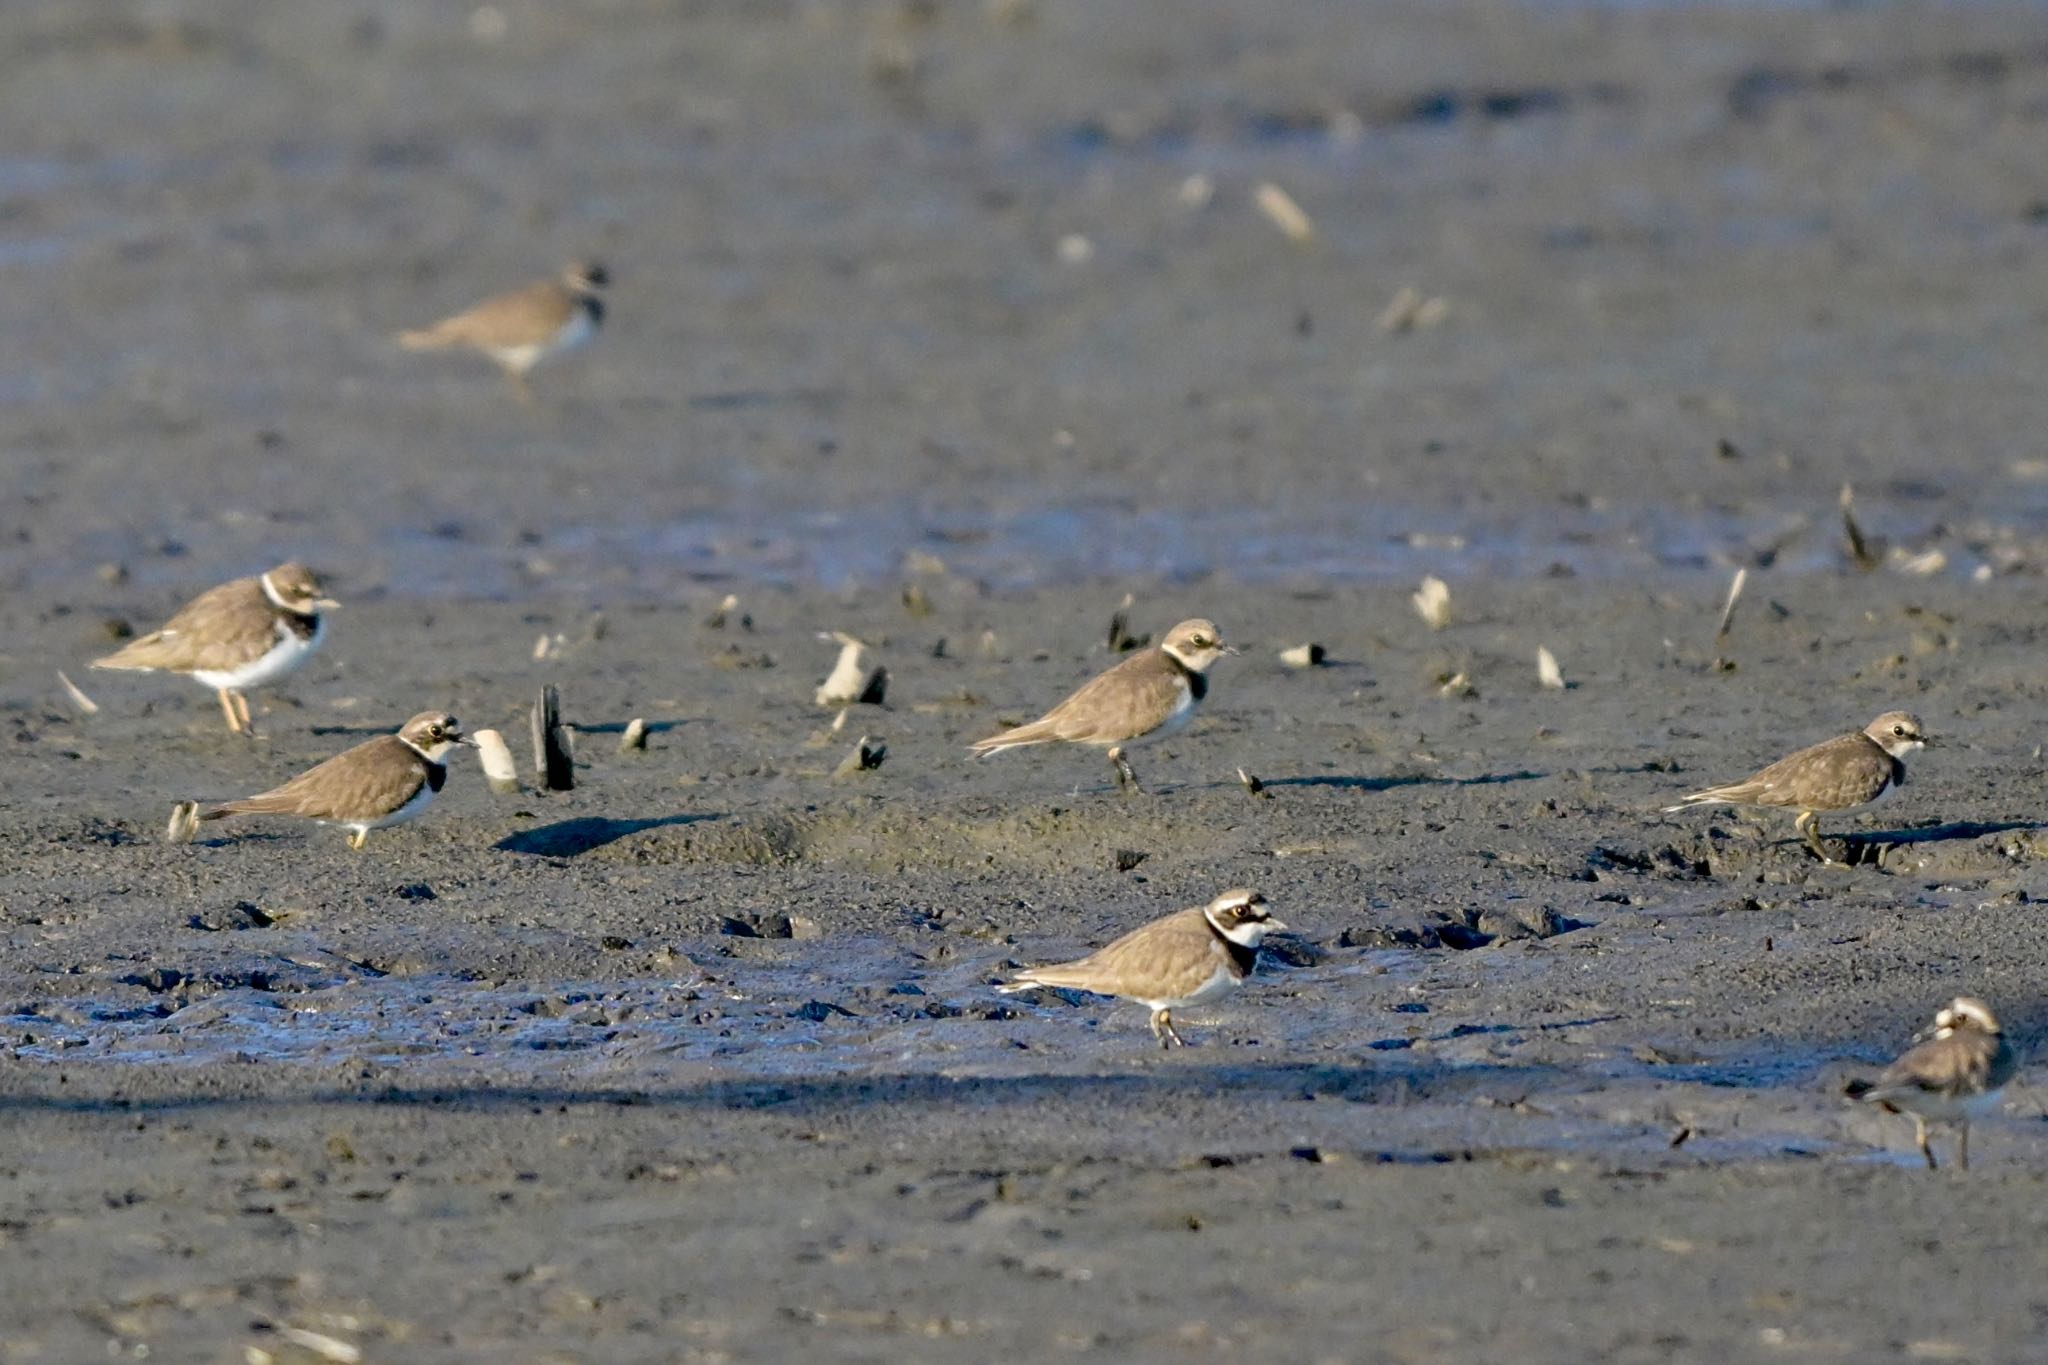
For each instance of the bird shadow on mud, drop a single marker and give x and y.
(1934, 834)
(1869, 846)
(1380, 784)
(618, 727)
(1383, 1080)
(1391, 1085)
(568, 838)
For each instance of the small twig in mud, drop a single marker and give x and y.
(1721, 664)
(1865, 552)
(552, 759)
(1121, 641)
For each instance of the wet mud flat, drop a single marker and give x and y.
(702, 1060)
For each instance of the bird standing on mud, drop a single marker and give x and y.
(526, 326)
(1149, 695)
(1188, 958)
(382, 782)
(239, 635)
(1841, 774)
(1952, 1074)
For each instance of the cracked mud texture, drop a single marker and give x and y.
(701, 1061)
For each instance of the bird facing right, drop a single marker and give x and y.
(1840, 774)
(239, 635)
(1149, 695)
(379, 783)
(1188, 958)
(524, 327)
(1954, 1073)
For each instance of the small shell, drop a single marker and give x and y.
(848, 679)
(1281, 210)
(1433, 603)
(86, 705)
(867, 756)
(496, 758)
(1303, 656)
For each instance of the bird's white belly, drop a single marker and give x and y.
(284, 657)
(411, 810)
(1220, 983)
(577, 330)
(1984, 1106)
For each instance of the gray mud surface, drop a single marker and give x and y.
(701, 1061)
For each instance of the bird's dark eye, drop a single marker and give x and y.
(1899, 730)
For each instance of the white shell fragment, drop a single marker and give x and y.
(1303, 656)
(849, 678)
(500, 771)
(1433, 603)
(1281, 210)
(85, 705)
(1728, 608)
(1547, 671)
(1410, 310)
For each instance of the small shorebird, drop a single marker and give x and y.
(1151, 694)
(1188, 958)
(526, 326)
(236, 636)
(1952, 1074)
(1840, 774)
(382, 782)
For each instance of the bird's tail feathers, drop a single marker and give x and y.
(426, 338)
(135, 656)
(1870, 1092)
(1712, 796)
(1010, 739)
(265, 804)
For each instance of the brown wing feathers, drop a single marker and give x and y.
(1116, 705)
(368, 780)
(222, 628)
(528, 315)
